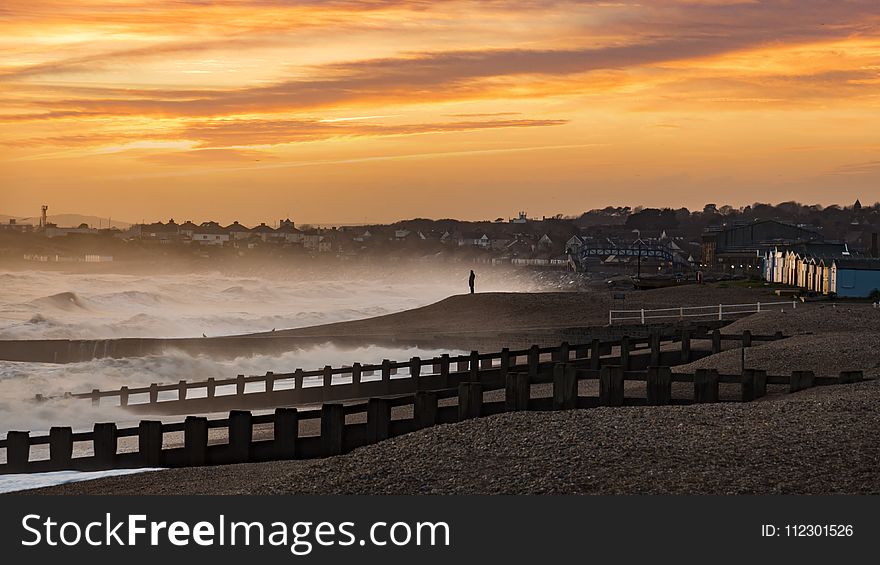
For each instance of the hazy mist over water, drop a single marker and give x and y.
(52, 305)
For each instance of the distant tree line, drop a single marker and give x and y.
(833, 221)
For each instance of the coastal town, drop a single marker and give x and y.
(825, 251)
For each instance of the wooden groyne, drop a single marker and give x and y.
(447, 405)
(225, 347)
(260, 392)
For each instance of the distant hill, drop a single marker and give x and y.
(66, 220)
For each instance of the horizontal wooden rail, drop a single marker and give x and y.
(715, 311)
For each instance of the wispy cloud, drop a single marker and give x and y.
(224, 133)
(205, 87)
(357, 160)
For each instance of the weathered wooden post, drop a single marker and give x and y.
(270, 381)
(60, 447)
(760, 383)
(181, 390)
(298, 378)
(332, 429)
(415, 371)
(386, 373)
(211, 388)
(444, 370)
(659, 386)
(716, 341)
(801, 380)
(150, 443)
(378, 419)
(654, 340)
(746, 338)
(474, 367)
(239, 385)
(123, 396)
(624, 352)
(561, 353)
(747, 382)
(505, 362)
(611, 386)
(534, 361)
(286, 432)
(96, 397)
(705, 386)
(18, 449)
(356, 376)
(595, 354)
(241, 434)
(565, 387)
(327, 380)
(516, 392)
(104, 442)
(195, 440)
(685, 346)
(470, 400)
(154, 393)
(425, 409)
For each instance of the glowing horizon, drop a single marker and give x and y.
(373, 111)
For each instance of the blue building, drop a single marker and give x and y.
(855, 278)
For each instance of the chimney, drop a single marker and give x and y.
(874, 251)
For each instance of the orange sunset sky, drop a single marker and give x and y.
(355, 111)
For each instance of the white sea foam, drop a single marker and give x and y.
(50, 305)
(12, 483)
(20, 382)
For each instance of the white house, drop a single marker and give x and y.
(210, 233)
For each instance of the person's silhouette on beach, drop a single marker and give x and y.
(471, 280)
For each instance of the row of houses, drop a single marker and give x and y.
(212, 233)
(844, 275)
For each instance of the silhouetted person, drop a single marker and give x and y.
(471, 280)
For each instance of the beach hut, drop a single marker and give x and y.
(823, 276)
(774, 265)
(855, 278)
(787, 268)
(801, 275)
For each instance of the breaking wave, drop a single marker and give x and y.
(50, 305)
(20, 382)
(65, 301)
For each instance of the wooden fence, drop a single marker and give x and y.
(428, 408)
(713, 312)
(405, 377)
